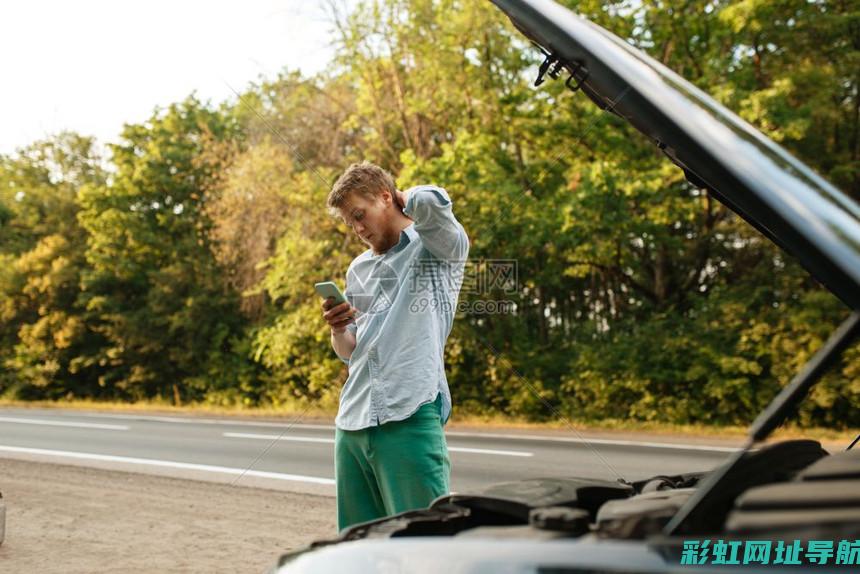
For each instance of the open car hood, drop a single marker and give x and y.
(780, 196)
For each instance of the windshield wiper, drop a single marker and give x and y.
(688, 520)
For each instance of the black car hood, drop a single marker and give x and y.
(780, 196)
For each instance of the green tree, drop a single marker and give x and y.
(154, 282)
(49, 347)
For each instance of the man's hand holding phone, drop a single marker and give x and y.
(337, 311)
(338, 315)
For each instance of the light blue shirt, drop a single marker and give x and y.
(407, 299)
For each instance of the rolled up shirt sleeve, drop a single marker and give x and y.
(431, 209)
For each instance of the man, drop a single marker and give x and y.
(390, 450)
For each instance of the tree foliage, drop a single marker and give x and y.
(183, 267)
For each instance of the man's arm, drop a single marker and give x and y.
(431, 209)
(341, 320)
(343, 344)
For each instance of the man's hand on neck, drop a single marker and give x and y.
(400, 198)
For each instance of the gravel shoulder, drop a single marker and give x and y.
(70, 519)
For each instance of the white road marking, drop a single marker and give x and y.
(61, 424)
(168, 464)
(489, 435)
(611, 442)
(490, 451)
(273, 437)
(202, 421)
(331, 441)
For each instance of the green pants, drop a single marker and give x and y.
(391, 468)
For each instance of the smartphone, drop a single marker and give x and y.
(328, 289)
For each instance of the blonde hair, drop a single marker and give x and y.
(365, 178)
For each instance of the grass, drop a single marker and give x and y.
(310, 412)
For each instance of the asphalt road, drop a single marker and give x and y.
(300, 457)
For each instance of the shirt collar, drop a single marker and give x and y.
(406, 236)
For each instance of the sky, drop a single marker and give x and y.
(90, 66)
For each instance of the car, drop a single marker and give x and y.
(784, 496)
